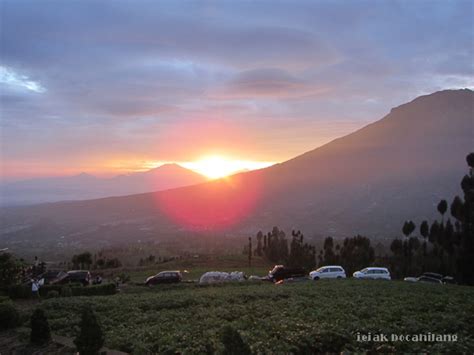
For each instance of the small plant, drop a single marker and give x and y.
(233, 343)
(9, 317)
(90, 338)
(40, 331)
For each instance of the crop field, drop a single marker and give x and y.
(323, 316)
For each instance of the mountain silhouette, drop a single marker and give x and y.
(367, 182)
(85, 186)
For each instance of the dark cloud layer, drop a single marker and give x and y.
(121, 77)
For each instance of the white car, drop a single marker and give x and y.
(373, 273)
(328, 272)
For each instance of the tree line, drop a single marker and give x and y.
(446, 245)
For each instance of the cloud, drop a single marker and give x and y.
(268, 83)
(123, 77)
(15, 81)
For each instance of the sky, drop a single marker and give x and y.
(114, 86)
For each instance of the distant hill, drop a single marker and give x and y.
(85, 186)
(367, 182)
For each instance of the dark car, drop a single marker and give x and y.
(164, 277)
(75, 276)
(424, 278)
(431, 277)
(281, 272)
(51, 276)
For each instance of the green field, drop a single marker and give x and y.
(289, 318)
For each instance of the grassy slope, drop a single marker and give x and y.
(295, 317)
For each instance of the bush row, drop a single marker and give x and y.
(49, 291)
(9, 316)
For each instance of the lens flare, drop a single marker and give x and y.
(212, 206)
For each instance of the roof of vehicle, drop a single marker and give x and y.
(331, 266)
(432, 274)
(77, 271)
(376, 268)
(175, 271)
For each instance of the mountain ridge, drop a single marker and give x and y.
(366, 182)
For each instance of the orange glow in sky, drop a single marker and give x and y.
(215, 166)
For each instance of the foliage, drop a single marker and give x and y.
(289, 318)
(233, 343)
(66, 291)
(447, 248)
(83, 260)
(24, 291)
(19, 291)
(10, 270)
(52, 294)
(90, 338)
(40, 330)
(356, 253)
(275, 249)
(9, 316)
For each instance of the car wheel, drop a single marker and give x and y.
(316, 278)
(339, 277)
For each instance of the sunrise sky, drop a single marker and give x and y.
(111, 87)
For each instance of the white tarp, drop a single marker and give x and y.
(218, 276)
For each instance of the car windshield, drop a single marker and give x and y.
(320, 269)
(364, 271)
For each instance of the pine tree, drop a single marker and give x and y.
(40, 331)
(90, 338)
(233, 343)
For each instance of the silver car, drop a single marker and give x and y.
(328, 272)
(373, 273)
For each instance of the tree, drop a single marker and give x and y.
(10, 270)
(329, 255)
(424, 229)
(250, 251)
(40, 331)
(90, 338)
(457, 208)
(82, 260)
(470, 160)
(233, 342)
(356, 253)
(408, 228)
(259, 250)
(442, 208)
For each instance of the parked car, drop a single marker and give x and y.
(164, 277)
(431, 277)
(75, 276)
(281, 272)
(328, 272)
(373, 273)
(51, 276)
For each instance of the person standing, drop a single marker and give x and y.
(35, 289)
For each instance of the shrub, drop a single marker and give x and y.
(4, 299)
(52, 294)
(66, 291)
(124, 278)
(9, 316)
(233, 343)
(19, 291)
(40, 331)
(90, 338)
(47, 289)
(96, 290)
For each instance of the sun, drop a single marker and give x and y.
(215, 167)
